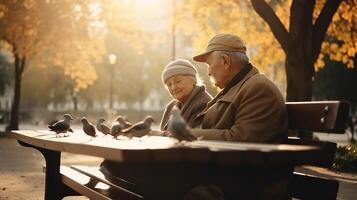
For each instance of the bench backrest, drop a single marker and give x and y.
(318, 116)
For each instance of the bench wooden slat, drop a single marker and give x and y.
(81, 183)
(305, 186)
(94, 172)
(326, 155)
(318, 116)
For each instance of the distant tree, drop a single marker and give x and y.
(136, 73)
(65, 34)
(5, 73)
(40, 33)
(45, 86)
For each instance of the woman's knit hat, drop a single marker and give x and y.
(178, 67)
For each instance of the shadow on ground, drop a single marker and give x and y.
(21, 172)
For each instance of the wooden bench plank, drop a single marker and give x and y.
(318, 116)
(95, 173)
(81, 183)
(305, 186)
(324, 158)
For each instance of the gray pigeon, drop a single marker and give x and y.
(178, 127)
(123, 121)
(103, 127)
(139, 129)
(116, 128)
(88, 127)
(62, 126)
(54, 121)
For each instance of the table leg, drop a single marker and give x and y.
(54, 188)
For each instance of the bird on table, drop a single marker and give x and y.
(61, 126)
(88, 127)
(102, 127)
(139, 129)
(116, 128)
(123, 121)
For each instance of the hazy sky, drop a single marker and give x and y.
(154, 14)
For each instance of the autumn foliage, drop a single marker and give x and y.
(278, 34)
(67, 34)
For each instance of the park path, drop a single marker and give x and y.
(21, 175)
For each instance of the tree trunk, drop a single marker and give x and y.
(74, 100)
(75, 103)
(299, 81)
(141, 101)
(14, 118)
(299, 63)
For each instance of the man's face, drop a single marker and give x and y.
(216, 69)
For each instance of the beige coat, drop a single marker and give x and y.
(194, 105)
(253, 110)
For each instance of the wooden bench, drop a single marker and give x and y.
(308, 116)
(325, 117)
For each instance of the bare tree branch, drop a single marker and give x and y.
(276, 26)
(322, 23)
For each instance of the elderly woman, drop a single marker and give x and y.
(181, 80)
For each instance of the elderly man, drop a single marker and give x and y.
(250, 107)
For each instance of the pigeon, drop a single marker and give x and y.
(61, 126)
(139, 129)
(88, 127)
(178, 127)
(116, 128)
(103, 127)
(54, 121)
(124, 122)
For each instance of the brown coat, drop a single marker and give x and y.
(253, 110)
(194, 105)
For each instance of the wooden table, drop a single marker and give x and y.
(164, 151)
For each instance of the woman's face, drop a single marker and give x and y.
(180, 86)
